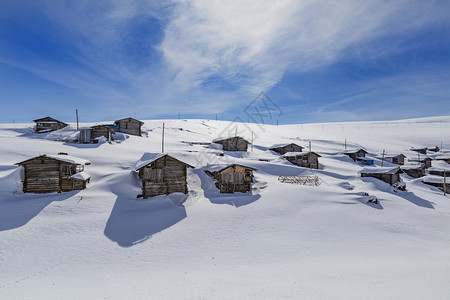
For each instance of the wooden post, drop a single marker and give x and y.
(162, 145)
(78, 126)
(382, 159)
(345, 144)
(445, 184)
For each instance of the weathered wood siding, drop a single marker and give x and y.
(388, 178)
(398, 160)
(100, 130)
(307, 161)
(234, 144)
(129, 126)
(49, 124)
(234, 179)
(45, 175)
(164, 176)
(416, 173)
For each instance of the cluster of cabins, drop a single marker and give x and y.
(94, 133)
(162, 174)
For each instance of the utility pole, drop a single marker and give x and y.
(309, 146)
(162, 139)
(382, 159)
(445, 184)
(345, 144)
(78, 126)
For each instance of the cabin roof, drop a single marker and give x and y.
(288, 154)
(421, 159)
(380, 170)
(284, 145)
(61, 157)
(439, 165)
(434, 179)
(81, 175)
(354, 151)
(391, 156)
(148, 158)
(412, 166)
(219, 168)
(364, 158)
(130, 118)
(48, 120)
(219, 139)
(443, 156)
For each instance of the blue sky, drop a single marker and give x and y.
(319, 61)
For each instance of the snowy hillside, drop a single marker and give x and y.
(279, 241)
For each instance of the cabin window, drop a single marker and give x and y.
(66, 170)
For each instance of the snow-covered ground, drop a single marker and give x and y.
(279, 241)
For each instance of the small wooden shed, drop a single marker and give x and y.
(424, 160)
(386, 174)
(397, 159)
(437, 181)
(232, 178)
(444, 157)
(162, 174)
(130, 126)
(105, 130)
(303, 159)
(354, 154)
(415, 170)
(54, 173)
(48, 124)
(236, 143)
(439, 168)
(419, 150)
(285, 148)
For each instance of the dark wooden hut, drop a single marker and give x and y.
(285, 148)
(162, 174)
(105, 130)
(354, 154)
(54, 173)
(48, 124)
(397, 159)
(130, 126)
(303, 159)
(232, 178)
(386, 174)
(419, 150)
(236, 143)
(415, 170)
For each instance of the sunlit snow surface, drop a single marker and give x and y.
(278, 241)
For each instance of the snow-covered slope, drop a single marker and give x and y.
(279, 241)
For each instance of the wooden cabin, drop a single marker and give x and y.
(386, 174)
(437, 181)
(440, 168)
(397, 159)
(54, 173)
(285, 148)
(419, 150)
(415, 170)
(444, 157)
(48, 124)
(105, 130)
(424, 160)
(354, 154)
(162, 174)
(303, 159)
(233, 143)
(232, 178)
(365, 161)
(129, 126)
(434, 149)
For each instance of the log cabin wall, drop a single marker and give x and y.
(164, 176)
(129, 126)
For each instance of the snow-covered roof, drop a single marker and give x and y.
(443, 156)
(364, 158)
(81, 175)
(70, 159)
(148, 158)
(354, 151)
(439, 165)
(412, 166)
(421, 159)
(220, 167)
(283, 145)
(380, 170)
(388, 156)
(434, 179)
(227, 138)
(287, 154)
(61, 157)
